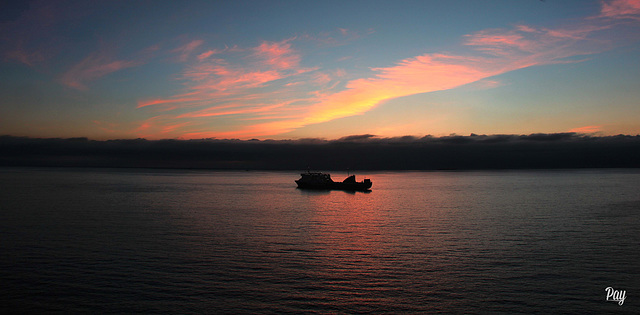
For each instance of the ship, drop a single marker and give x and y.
(323, 181)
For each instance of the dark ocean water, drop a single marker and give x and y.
(146, 241)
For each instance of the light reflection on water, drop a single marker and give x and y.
(196, 241)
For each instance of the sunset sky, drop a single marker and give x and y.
(318, 69)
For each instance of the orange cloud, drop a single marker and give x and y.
(161, 101)
(586, 129)
(233, 109)
(252, 131)
(158, 127)
(173, 127)
(421, 74)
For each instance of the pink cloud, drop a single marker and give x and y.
(91, 68)
(216, 76)
(489, 38)
(212, 80)
(523, 40)
(31, 38)
(321, 78)
(206, 54)
(186, 50)
(20, 54)
(217, 87)
(621, 9)
(278, 54)
(526, 29)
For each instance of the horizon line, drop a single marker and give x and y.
(352, 137)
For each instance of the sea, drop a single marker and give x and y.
(127, 241)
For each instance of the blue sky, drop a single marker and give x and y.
(319, 69)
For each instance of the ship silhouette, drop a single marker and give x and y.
(323, 181)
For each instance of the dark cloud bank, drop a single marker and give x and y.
(362, 152)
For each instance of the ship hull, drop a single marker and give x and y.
(361, 186)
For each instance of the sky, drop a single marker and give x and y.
(318, 69)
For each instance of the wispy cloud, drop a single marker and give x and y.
(20, 54)
(30, 38)
(217, 85)
(92, 67)
(185, 51)
(421, 74)
(277, 54)
(165, 101)
(338, 37)
(621, 9)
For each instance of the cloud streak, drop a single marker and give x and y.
(621, 9)
(278, 55)
(586, 129)
(91, 68)
(187, 49)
